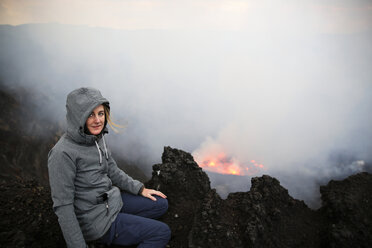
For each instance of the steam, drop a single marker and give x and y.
(296, 100)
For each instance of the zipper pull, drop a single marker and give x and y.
(107, 209)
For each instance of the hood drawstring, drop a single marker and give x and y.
(104, 144)
(99, 152)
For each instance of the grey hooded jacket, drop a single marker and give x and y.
(82, 175)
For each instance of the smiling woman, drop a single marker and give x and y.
(96, 121)
(86, 184)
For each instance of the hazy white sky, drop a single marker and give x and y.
(329, 16)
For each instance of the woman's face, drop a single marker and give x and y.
(96, 120)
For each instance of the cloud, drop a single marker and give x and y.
(257, 16)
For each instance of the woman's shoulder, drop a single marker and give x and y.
(65, 145)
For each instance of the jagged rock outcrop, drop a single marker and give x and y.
(347, 207)
(265, 216)
(186, 185)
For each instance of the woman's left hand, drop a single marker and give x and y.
(150, 192)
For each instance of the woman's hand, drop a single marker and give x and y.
(150, 192)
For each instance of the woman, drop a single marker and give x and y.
(85, 183)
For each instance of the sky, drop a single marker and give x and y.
(330, 16)
(287, 84)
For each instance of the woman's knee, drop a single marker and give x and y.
(162, 205)
(163, 202)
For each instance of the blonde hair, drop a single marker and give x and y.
(113, 125)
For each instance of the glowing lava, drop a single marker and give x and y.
(228, 165)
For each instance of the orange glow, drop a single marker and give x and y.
(223, 164)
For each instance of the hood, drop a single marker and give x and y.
(79, 105)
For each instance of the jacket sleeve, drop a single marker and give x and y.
(121, 179)
(62, 172)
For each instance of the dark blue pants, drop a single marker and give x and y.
(135, 223)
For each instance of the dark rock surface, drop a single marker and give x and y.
(347, 207)
(185, 184)
(26, 216)
(265, 216)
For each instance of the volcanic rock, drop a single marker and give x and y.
(347, 207)
(245, 219)
(186, 185)
(26, 216)
(265, 216)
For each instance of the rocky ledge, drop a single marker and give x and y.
(265, 216)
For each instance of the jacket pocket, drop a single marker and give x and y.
(111, 199)
(108, 210)
(114, 198)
